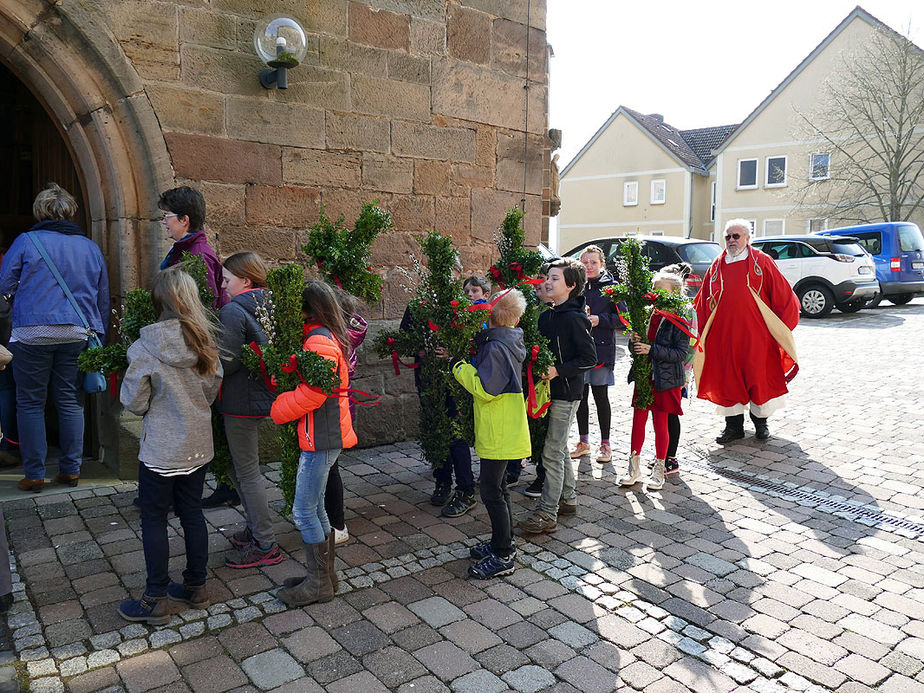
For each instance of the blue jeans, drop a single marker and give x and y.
(308, 508)
(38, 369)
(156, 494)
(8, 411)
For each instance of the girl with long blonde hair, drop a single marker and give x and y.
(172, 379)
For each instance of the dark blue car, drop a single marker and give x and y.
(898, 249)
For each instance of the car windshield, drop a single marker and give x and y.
(851, 248)
(699, 253)
(910, 239)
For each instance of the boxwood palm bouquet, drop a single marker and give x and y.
(641, 302)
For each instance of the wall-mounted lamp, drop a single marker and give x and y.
(281, 44)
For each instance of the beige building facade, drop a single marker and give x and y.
(420, 104)
(762, 169)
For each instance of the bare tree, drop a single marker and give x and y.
(870, 118)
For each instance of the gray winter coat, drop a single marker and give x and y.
(242, 392)
(162, 385)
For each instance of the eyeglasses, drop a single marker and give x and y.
(167, 215)
(729, 236)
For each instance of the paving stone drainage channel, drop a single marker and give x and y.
(592, 573)
(872, 516)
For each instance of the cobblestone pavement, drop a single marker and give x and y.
(793, 565)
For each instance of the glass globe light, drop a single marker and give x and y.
(280, 42)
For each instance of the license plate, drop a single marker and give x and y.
(917, 265)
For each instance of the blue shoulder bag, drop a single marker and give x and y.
(92, 382)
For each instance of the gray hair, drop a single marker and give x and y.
(54, 202)
(740, 224)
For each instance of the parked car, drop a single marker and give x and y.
(897, 248)
(661, 251)
(825, 271)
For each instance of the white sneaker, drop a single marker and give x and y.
(656, 482)
(341, 536)
(635, 473)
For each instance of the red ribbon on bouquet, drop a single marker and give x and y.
(396, 362)
(531, 387)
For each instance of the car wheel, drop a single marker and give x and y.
(852, 306)
(816, 301)
(900, 299)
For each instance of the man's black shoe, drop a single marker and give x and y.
(760, 426)
(441, 494)
(223, 495)
(734, 429)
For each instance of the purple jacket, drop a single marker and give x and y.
(197, 244)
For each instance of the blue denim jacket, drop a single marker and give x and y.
(37, 298)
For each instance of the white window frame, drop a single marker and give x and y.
(663, 184)
(756, 175)
(811, 169)
(626, 187)
(824, 224)
(768, 184)
(712, 202)
(782, 227)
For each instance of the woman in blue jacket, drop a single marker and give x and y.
(48, 334)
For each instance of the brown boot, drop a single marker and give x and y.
(316, 586)
(34, 485)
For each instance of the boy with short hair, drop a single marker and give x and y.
(501, 428)
(567, 328)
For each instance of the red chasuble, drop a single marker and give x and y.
(743, 361)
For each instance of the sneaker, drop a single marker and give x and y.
(671, 465)
(604, 453)
(253, 556)
(491, 567)
(341, 536)
(460, 504)
(148, 609)
(534, 490)
(196, 596)
(581, 450)
(242, 539)
(512, 480)
(537, 523)
(441, 494)
(481, 551)
(222, 495)
(567, 508)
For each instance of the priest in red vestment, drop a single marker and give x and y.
(746, 311)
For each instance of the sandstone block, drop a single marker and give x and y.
(508, 49)
(510, 162)
(224, 160)
(412, 213)
(340, 54)
(283, 206)
(316, 16)
(432, 142)
(349, 203)
(408, 68)
(454, 218)
(427, 38)
(489, 207)
(319, 87)
(224, 204)
(390, 98)
(427, 9)
(219, 70)
(485, 146)
(469, 176)
(521, 11)
(316, 167)
(431, 177)
(477, 258)
(189, 110)
(468, 35)
(216, 29)
(348, 131)
(379, 27)
(276, 122)
(394, 249)
(148, 34)
(269, 242)
(388, 173)
(473, 93)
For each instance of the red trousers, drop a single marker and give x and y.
(662, 438)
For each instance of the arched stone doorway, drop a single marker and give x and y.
(76, 70)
